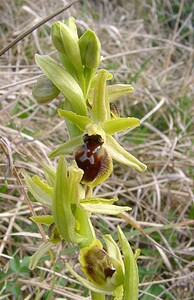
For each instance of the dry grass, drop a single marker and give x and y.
(146, 43)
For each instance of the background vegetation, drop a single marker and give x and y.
(150, 45)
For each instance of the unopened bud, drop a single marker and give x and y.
(44, 91)
(90, 49)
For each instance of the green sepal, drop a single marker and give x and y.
(117, 90)
(122, 156)
(44, 219)
(41, 191)
(114, 125)
(34, 259)
(80, 121)
(63, 81)
(67, 147)
(131, 279)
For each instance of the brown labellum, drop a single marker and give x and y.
(91, 157)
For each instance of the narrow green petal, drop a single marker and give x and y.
(78, 120)
(34, 259)
(63, 81)
(131, 271)
(67, 147)
(44, 219)
(39, 189)
(102, 208)
(115, 125)
(117, 90)
(122, 156)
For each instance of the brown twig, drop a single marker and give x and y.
(30, 30)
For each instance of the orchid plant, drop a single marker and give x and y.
(92, 119)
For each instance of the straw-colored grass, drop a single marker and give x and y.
(150, 45)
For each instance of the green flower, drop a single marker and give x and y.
(106, 271)
(95, 146)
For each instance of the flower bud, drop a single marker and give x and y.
(66, 41)
(56, 37)
(44, 91)
(90, 49)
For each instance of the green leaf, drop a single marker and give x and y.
(15, 265)
(114, 125)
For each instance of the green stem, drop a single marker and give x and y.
(97, 296)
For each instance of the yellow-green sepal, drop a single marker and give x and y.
(67, 147)
(122, 156)
(114, 125)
